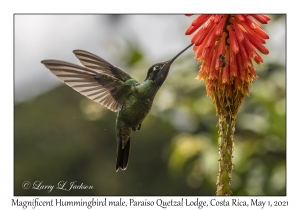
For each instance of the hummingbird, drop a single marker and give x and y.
(115, 89)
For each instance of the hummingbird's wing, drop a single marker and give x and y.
(96, 85)
(100, 65)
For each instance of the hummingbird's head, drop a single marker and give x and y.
(153, 71)
(159, 71)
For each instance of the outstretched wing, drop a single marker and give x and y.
(100, 86)
(100, 65)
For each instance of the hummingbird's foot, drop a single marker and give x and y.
(137, 128)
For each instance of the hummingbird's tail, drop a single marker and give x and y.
(122, 155)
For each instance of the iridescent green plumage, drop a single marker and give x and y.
(115, 89)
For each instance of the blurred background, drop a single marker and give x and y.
(59, 135)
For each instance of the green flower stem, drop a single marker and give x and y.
(226, 126)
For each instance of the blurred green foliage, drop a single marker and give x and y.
(62, 136)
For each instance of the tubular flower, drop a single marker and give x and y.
(226, 45)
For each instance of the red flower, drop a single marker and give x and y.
(226, 45)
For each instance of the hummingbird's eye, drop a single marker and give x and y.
(156, 67)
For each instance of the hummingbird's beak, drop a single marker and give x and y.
(163, 72)
(173, 59)
(168, 63)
